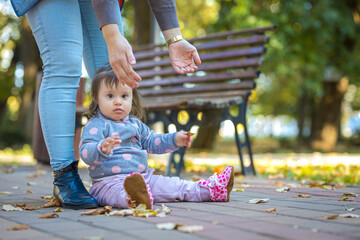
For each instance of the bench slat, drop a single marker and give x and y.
(199, 88)
(249, 74)
(194, 101)
(242, 63)
(246, 52)
(252, 40)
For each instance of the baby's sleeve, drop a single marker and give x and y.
(157, 143)
(93, 135)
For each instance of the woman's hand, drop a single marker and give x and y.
(121, 56)
(182, 56)
(183, 139)
(109, 143)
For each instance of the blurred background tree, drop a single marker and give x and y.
(311, 69)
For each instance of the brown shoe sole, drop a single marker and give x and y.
(136, 187)
(231, 183)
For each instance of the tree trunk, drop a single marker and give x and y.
(326, 125)
(142, 31)
(301, 116)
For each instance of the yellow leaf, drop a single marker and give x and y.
(238, 190)
(346, 199)
(58, 210)
(350, 194)
(28, 191)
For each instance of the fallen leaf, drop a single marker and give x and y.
(346, 199)
(108, 209)
(284, 189)
(30, 208)
(350, 194)
(123, 212)
(8, 207)
(48, 197)
(167, 226)
(242, 185)
(328, 187)
(49, 215)
(349, 215)
(93, 212)
(58, 210)
(34, 175)
(165, 209)
(28, 191)
(15, 187)
(331, 217)
(21, 206)
(5, 193)
(52, 203)
(238, 190)
(18, 227)
(270, 210)
(255, 201)
(350, 209)
(190, 228)
(302, 196)
(315, 184)
(190, 134)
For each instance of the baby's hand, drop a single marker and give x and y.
(183, 139)
(109, 143)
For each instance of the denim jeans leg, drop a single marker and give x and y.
(95, 49)
(56, 26)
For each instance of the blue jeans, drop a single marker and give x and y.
(66, 31)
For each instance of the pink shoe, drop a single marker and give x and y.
(138, 192)
(220, 185)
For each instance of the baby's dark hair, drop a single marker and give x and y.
(107, 75)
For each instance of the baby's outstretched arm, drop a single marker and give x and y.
(183, 139)
(109, 143)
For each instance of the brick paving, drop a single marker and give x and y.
(295, 218)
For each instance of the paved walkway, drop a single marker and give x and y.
(295, 218)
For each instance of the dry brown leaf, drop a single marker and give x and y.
(48, 197)
(302, 196)
(346, 199)
(256, 201)
(108, 209)
(28, 191)
(5, 193)
(315, 184)
(49, 215)
(190, 134)
(24, 207)
(350, 194)
(328, 187)
(270, 210)
(21, 206)
(34, 175)
(331, 217)
(52, 203)
(93, 212)
(18, 227)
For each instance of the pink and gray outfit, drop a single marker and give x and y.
(109, 171)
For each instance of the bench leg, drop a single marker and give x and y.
(241, 118)
(176, 161)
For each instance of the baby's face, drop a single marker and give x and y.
(115, 102)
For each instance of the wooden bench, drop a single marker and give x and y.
(222, 84)
(224, 81)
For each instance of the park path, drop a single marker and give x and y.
(295, 218)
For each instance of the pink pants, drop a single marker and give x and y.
(110, 191)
